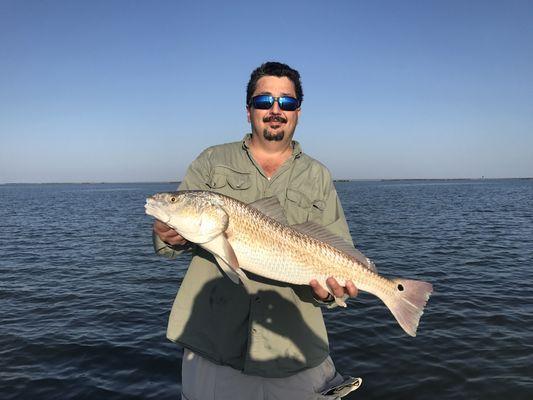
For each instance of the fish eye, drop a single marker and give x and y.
(172, 199)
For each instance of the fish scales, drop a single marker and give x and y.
(242, 237)
(297, 258)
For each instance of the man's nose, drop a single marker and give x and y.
(275, 108)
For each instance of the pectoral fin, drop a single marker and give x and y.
(205, 226)
(225, 256)
(231, 273)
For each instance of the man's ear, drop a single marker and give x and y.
(248, 114)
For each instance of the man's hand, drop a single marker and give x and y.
(322, 294)
(167, 234)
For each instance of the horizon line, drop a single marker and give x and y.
(334, 180)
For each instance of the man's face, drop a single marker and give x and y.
(274, 124)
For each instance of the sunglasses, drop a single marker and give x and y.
(265, 102)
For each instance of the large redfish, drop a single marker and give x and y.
(255, 237)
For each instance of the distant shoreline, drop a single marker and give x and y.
(89, 183)
(429, 179)
(335, 180)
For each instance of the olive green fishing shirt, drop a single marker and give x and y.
(276, 329)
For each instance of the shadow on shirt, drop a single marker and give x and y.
(273, 330)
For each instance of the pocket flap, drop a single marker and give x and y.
(299, 198)
(319, 204)
(239, 181)
(217, 181)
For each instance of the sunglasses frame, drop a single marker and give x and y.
(273, 100)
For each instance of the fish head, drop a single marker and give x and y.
(196, 216)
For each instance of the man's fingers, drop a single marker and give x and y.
(177, 240)
(320, 292)
(336, 289)
(173, 238)
(160, 227)
(167, 234)
(339, 291)
(351, 289)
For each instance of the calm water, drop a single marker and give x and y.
(84, 301)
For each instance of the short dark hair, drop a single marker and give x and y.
(273, 68)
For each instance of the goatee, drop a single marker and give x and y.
(274, 137)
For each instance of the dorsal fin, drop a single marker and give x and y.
(320, 233)
(271, 207)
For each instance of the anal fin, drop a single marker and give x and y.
(341, 301)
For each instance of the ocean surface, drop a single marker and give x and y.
(84, 301)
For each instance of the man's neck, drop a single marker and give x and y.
(270, 155)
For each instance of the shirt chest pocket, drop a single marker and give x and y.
(303, 207)
(230, 182)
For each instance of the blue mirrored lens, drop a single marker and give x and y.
(288, 103)
(263, 102)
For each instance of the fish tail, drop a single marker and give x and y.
(407, 302)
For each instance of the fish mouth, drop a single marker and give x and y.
(156, 212)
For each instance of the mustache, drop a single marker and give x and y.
(274, 118)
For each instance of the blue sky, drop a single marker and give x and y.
(134, 90)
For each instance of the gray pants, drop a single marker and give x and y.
(204, 380)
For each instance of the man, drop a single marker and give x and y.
(268, 340)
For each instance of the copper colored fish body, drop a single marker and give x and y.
(256, 238)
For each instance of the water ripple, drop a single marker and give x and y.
(85, 301)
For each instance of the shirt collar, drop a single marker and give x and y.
(296, 148)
